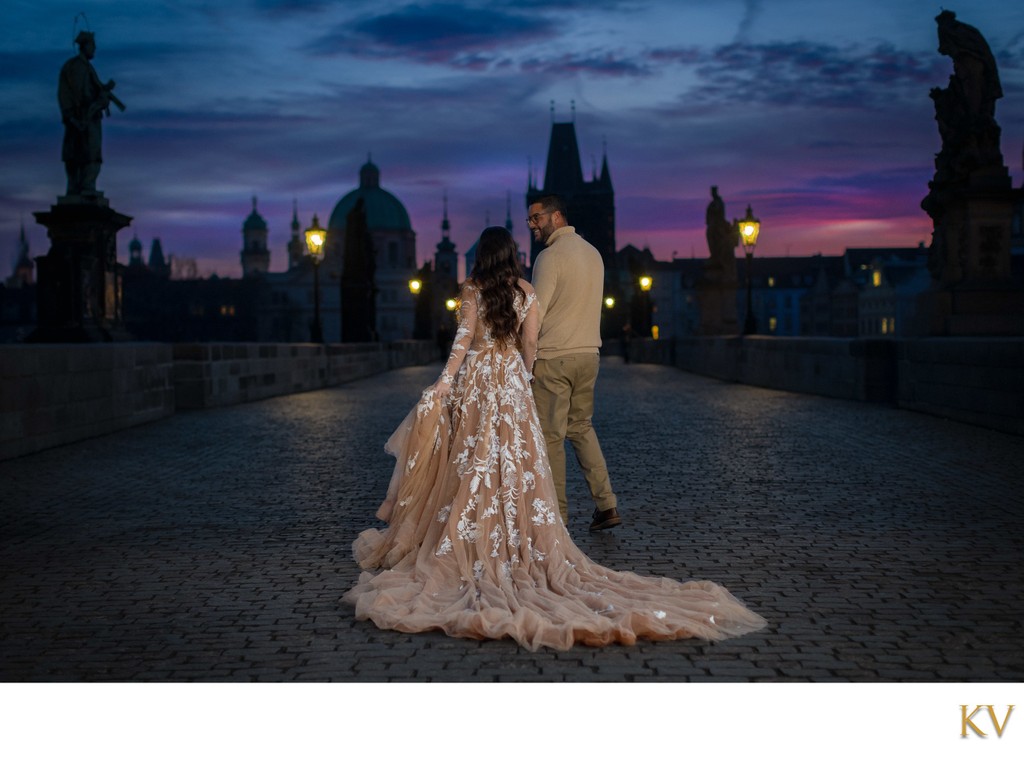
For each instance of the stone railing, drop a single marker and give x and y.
(52, 394)
(974, 380)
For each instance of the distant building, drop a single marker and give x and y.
(193, 311)
(865, 292)
(890, 281)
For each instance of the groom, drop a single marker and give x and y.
(568, 276)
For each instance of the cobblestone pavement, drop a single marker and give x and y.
(881, 545)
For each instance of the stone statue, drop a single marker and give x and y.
(716, 289)
(723, 237)
(83, 100)
(971, 200)
(965, 110)
(970, 159)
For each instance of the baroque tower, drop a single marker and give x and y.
(255, 254)
(446, 261)
(297, 245)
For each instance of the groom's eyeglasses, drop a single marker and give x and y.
(535, 218)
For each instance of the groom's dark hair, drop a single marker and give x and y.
(553, 203)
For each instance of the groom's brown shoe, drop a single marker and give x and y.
(607, 518)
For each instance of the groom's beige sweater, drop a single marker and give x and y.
(568, 276)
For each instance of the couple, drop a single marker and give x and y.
(476, 544)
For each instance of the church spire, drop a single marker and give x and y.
(508, 210)
(23, 267)
(445, 226)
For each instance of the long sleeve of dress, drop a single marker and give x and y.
(530, 331)
(463, 336)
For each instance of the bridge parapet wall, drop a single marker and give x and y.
(974, 380)
(53, 394)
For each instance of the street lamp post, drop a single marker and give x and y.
(315, 237)
(646, 282)
(749, 228)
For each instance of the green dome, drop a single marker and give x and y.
(254, 221)
(383, 210)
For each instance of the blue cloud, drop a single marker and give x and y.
(806, 73)
(602, 63)
(436, 33)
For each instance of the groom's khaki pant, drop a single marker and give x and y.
(564, 391)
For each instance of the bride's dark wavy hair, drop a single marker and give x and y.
(496, 274)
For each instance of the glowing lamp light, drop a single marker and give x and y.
(645, 283)
(315, 238)
(609, 302)
(415, 286)
(749, 228)
(451, 304)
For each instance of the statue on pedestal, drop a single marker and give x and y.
(970, 198)
(716, 290)
(723, 237)
(83, 101)
(78, 295)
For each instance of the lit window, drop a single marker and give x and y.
(654, 331)
(876, 278)
(772, 324)
(771, 282)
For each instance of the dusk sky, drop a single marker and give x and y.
(815, 112)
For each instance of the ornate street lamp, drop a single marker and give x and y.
(749, 228)
(315, 237)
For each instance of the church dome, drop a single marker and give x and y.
(383, 210)
(254, 221)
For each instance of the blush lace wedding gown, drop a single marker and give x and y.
(475, 545)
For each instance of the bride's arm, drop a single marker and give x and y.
(463, 340)
(529, 332)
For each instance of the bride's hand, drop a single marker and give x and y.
(441, 388)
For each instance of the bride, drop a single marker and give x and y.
(474, 544)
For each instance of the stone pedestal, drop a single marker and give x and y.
(716, 296)
(973, 292)
(79, 288)
(717, 309)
